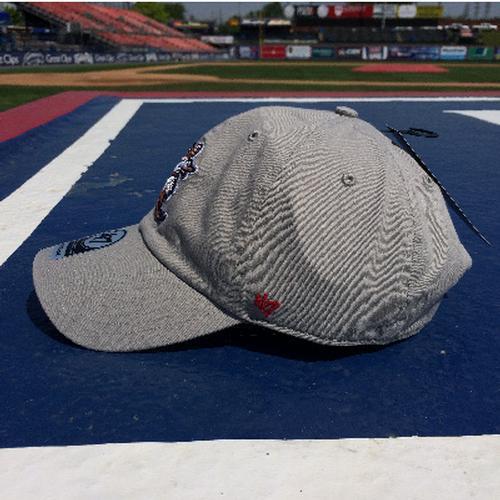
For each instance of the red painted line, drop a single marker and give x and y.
(21, 119)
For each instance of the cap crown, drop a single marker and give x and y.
(312, 223)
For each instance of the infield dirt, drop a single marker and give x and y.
(146, 76)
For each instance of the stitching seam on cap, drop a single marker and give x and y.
(411, 247)
(263, 196)
(252, 217)
(401, 314)
(246, 230)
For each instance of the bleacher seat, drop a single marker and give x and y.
(124, 29)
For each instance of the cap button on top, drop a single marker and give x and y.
(345, 111)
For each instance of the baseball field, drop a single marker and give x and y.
(86, 148)
(24, 84)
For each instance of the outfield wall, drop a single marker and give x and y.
(369, 52)
(40, 58)
(276, 51)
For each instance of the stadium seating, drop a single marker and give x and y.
(120, 28)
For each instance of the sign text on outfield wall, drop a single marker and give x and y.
(453, 53)
(349, 52)
(480, 53)
(415, 52)
(375, 53)
(38, 58)
(429, 11)
(273, 52)
(298, 52)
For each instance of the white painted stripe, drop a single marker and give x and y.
(487, 115)
(318, 99)
(23, 210)
(416, 467)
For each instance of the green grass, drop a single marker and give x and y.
(11, 96)
(456, 73)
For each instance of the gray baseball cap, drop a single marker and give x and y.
(312, 223)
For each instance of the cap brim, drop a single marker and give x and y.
(121, 298)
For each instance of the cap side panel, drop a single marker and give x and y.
(439, 259)
(324, 247)
(200, 240)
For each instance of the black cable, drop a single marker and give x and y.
(446, 194)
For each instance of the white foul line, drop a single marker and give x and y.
(23, 210)
(487, 115)
(415, 467)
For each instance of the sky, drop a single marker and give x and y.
(224, 10)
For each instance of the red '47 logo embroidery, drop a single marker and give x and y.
(266, 305)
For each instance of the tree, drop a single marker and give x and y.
(16, 17)
(162, 12)
(175, 10)
(273, 9)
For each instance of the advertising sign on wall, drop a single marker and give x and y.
(83, 58)
(323, 53)
(346, 11)
(35, 58)
(306, 11)
(103, 58)
(387, 10)
(427, 53)
(273, 52)
(429, 11)
(421, 53)
(400, 52)
(497, 53)
(298, 52)
(453, 53)
(407, 11)
(480, 53)
(375, 53)
(11, 59)
(248, 52)
(349, 52)
(218, 39)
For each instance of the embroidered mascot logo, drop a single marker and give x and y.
(183, 169)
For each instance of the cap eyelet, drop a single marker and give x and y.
(253, 135)
(348, 180)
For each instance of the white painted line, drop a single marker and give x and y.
(487, 115)
(23, 210)
(410, 468)
(317, 99)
